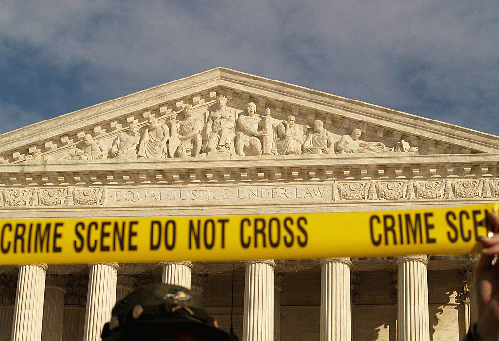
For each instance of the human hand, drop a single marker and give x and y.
(487, 284)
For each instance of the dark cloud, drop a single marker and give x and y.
(431, 58)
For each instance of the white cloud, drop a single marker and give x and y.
(400, 54)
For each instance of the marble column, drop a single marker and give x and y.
(413, 313)
(101, 297)
(177, 273)
(28, 309)
(258, 319)
(53, 309)
(336, 311)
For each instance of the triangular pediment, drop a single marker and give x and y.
(63, 137)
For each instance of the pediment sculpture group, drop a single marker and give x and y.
(224, 132)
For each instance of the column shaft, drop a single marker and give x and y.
(336, 313)
(101, 297)
(177, 273)
(413, 313)
(258, 319)
(28, 311)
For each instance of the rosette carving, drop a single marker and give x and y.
(468, 188)
(52, 196)
(88, 196)
(429, 189)
(19, 197)
(353, 191)
(392, 190)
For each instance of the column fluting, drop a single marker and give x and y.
(28, 309)
(412, 297)
(336, 311)
(101, 297)
(258, 319)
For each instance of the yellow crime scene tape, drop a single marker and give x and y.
(439, 231)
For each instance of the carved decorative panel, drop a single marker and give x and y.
(353, 190)
(429, 189)
(393, 190)
(52, 196)
(88, 196)
(19, 197)
(468, 188)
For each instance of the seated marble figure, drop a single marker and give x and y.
(319, 141)
(248, 135)
(291, 137)
(125, 144)
(219, 131)
(186, 139)
(154, 140)
(93, 150)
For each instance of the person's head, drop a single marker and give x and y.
(356, 133)
(267, 112)
(188, 111)
(134, 128)
(161, 312)
(89, 139)
(291, 120)
(251, 108)
(318, 125)
(153, 121)
(222, 102)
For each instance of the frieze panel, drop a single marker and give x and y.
(212, 127)
(396, 190)
(52, 196)
(240, 194)
(468, 189)
(19, 197)
(89, 196)
(415, 190)
(353, 190)
(429, 189)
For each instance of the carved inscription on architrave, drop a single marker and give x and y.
(219, 195)
(264, 194)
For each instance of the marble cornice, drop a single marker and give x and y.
(340, 167)
(234, 162)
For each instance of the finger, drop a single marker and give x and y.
(490, 241)
(491, 251)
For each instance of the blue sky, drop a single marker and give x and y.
(437, 59)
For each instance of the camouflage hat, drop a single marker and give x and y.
(161, 312)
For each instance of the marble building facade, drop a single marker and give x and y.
(223, 142)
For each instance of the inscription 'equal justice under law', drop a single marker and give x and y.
(219, 194)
